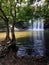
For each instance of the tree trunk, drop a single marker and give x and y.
(13, 35)
(7, 32)
(14, 20)
(6, 22)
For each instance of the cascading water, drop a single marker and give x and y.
(37, 25)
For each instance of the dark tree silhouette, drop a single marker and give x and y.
(6, 22)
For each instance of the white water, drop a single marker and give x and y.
(37, 25)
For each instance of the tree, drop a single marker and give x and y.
(13, 15)
(38, 12)
(4, 12)
(25, 13)
(45, 10)
(8, 13)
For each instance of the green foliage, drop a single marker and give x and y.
(2, 23)
(42, 11)
(5, 6)
(25, 13)
(38, 12)
(45, 10)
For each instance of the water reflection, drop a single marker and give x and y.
(21, 52)
(37, 46)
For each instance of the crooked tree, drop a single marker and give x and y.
(10, 12)
(4, 14)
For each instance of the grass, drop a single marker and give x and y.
(17, 34)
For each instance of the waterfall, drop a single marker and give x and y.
(38, 24)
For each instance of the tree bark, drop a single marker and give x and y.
(7, 31)
(12, 32)
(14, 20)
(7, 27)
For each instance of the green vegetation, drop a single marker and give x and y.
(45, 10)
(25, 13)
(11, 13)
(21, 12)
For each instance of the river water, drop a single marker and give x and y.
(36, 44)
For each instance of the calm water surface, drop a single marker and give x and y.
(36, 44)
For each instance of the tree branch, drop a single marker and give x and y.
(3, 13)
(2, 17)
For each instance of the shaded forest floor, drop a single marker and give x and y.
(12, 59)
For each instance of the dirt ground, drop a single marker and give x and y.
(11, 59)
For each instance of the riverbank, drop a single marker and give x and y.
(11, 59)
(18, 34)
